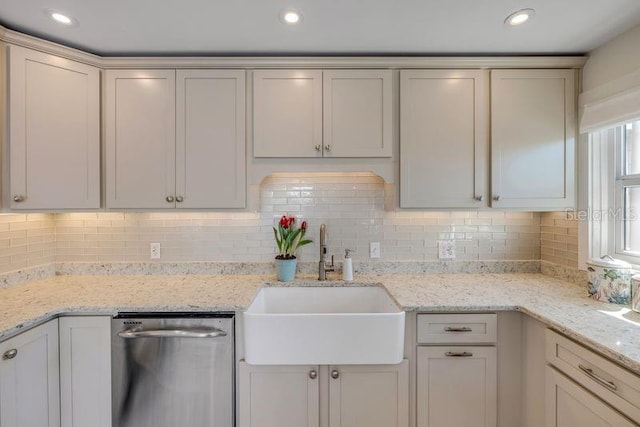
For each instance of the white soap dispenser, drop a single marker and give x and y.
(347, 266)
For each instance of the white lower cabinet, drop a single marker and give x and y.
(358, 395)
(279, 396)
(85, 371)
(457, 386)
(569, 405)
(369, 395)
(457, 370)
(585, 389)
(29, 378)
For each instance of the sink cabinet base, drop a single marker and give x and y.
(324, 395)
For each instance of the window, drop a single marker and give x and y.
(614, 193)
(627, 191)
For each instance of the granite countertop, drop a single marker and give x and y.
(612, 330)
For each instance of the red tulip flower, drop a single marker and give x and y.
(288, 237)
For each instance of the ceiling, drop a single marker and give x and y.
(336, 27)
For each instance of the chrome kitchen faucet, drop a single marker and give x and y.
(322, 265)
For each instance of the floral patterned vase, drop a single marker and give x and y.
(609, 280)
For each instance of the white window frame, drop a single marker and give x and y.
(606, 182)
(622, 181)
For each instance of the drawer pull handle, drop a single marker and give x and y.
(462, 329)
(458, 354)
(608, 384)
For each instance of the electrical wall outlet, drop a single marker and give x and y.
(155, 250)
(446, 249)
(374, 250)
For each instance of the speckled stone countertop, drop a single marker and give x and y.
(612, 330)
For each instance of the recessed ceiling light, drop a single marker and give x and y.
(290, 16)
(60, 17)
(519, 17)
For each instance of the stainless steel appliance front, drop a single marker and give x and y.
(172, 371)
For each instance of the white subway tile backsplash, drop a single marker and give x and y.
(357, 208)
(559, 238)
(26, 240)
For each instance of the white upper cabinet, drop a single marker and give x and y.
(140, 138)
(287, 113)
(210, 139)
(315, 113)
(533, 132)
(444, 134)
(357, 113)
(175, 139)
(443, 138)
(54, 132)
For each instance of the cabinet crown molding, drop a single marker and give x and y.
(265, 62)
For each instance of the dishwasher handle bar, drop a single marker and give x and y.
(173, 333)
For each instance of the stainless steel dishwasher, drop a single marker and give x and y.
(172, 370)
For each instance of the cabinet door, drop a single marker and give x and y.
(457, 387)
(140, 138)
(210, 139)
(443, 138)
(533, 127)
(85, 371)
(569, 405)
(287, 113)
(357, 107)
(279, 396)
(369, 395)
(54, 132)
(29, 385)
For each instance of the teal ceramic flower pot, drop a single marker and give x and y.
(286, 269)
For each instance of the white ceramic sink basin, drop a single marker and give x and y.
(323, 325)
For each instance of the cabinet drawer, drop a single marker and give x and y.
(615, 385)
(456, 328)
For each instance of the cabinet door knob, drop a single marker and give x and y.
(335, 374)
(18, 198)
(496, 198)
(179, 199)
(10, 354)
(318, 147)
(479, 198)
(313, 375)
(170, 199)
(327, 147)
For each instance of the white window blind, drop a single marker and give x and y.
(612, 111)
